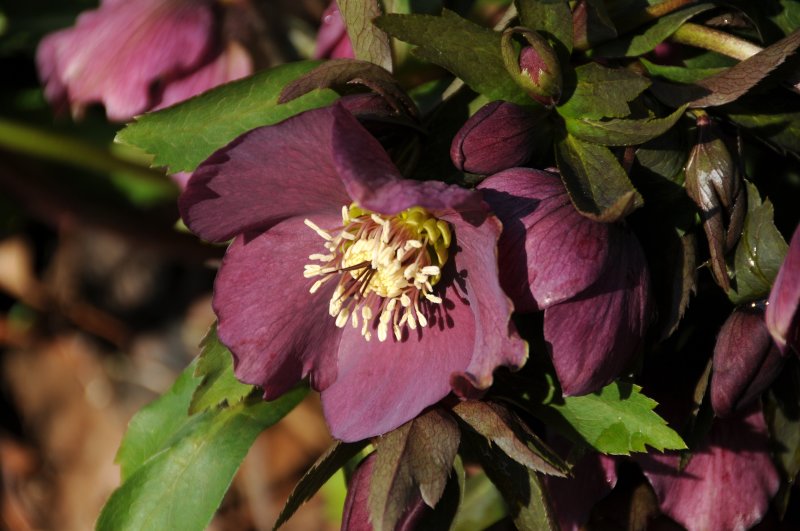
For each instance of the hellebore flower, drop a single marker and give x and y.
(590, 278)
(383, 291)
(746, 361)
(136, 56)
(783, 317)
(332, 39)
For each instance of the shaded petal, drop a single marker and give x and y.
(595, 335)
(573, 498)
(277, 331)
(783, 319)
(563, 252)
(745, 361)
(265, 176)
(728, 482)
(332, 39)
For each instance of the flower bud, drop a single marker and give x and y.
(715, 185)
(499, 136)
(746, 361)
(535, 68)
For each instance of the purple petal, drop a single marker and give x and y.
(596, 334)
(332, 39)
(265, 176)
(728, 482)
(783, 319)
(563, 252)
(499, 136)
(745, 361)
(277, 331)
(573, 498)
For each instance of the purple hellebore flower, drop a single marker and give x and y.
(332, 39)
(328, 233)
(590, 278)
(136, 56)
(783, 317)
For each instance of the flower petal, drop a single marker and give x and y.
(592, 479)
(277, 331)
(563, 252)
(332, 39)
(783, 317)
(265, 176)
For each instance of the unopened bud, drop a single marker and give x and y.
(535, 68)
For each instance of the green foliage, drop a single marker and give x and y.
(622, 132)
(602, 92)
(369, 42)
(680, 74)
(482, 506)
(551, 18)
(182, 136)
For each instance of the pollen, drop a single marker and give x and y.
(385, 267)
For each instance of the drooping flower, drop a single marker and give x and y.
(782, 316)
(332, 39)
(136, 56)
(590, 278)
(383, 291)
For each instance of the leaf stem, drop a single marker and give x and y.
(715, 41)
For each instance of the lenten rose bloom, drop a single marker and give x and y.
(590, 279)
(783, 308)
(384, 292)
(136, 56)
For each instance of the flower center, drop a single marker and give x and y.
(386, 267)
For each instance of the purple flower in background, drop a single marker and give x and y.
(136, 56)
(590, 278)
(332, 39)
(783, 317)
(383, 291)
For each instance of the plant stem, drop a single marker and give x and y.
(715, 41)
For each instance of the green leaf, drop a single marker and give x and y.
(369, 42)
(181, 137)
(616, 420)
(622, 132)
(442, 516)
(469, 51)
(482, 506)
(219, 385)
(551, 18)
(316, 476)
(665, 155)
(597, 184)
(777, 122)
(602, 92)
(181, 486)
(591, 24)
(760, 251)
(680, 73)
(150, 429)
(651, 36)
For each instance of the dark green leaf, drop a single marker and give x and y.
(665, 155)
(760, 252)
(551, 18)
(591, 24)
(469, 51)
(316, 476)
(442, 516)
(219, 385)
(616, 420)
(680, 73)
(482, 506)
(622, 132)
(369, 42)
(602, 92)
(181, 486)
(156, 423)
(597, 184)
(775, 121)
(181, 137)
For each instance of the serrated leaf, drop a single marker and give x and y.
(219, 385)
(181, 486)
(182, 136)
(154, 424)
(443, 41)
(502, 427)
(602, 92)
(760, 251)
(622, 132)
(679, 73)
(647, 39)
(552, 19)
(417, 456)
(616, 420)
(320, 472)
(597, 184)
(369, 42)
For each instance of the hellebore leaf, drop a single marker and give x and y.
(442, 516)
(182, 485)
(651, 36)
(315, 477)
(369, 42)
(665, 155)
(679, 73)
(760, 252)
(505, 429)
(616, 420)
(469, 51)
(775, 122)
(622, 132)
(591, 24)
(551, 18)
(154, 424)
(597, 185)
(182, 136)
(416, 457)
(219, 385)
(482, 506)
(602, 92)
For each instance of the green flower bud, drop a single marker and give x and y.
(535, 68)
